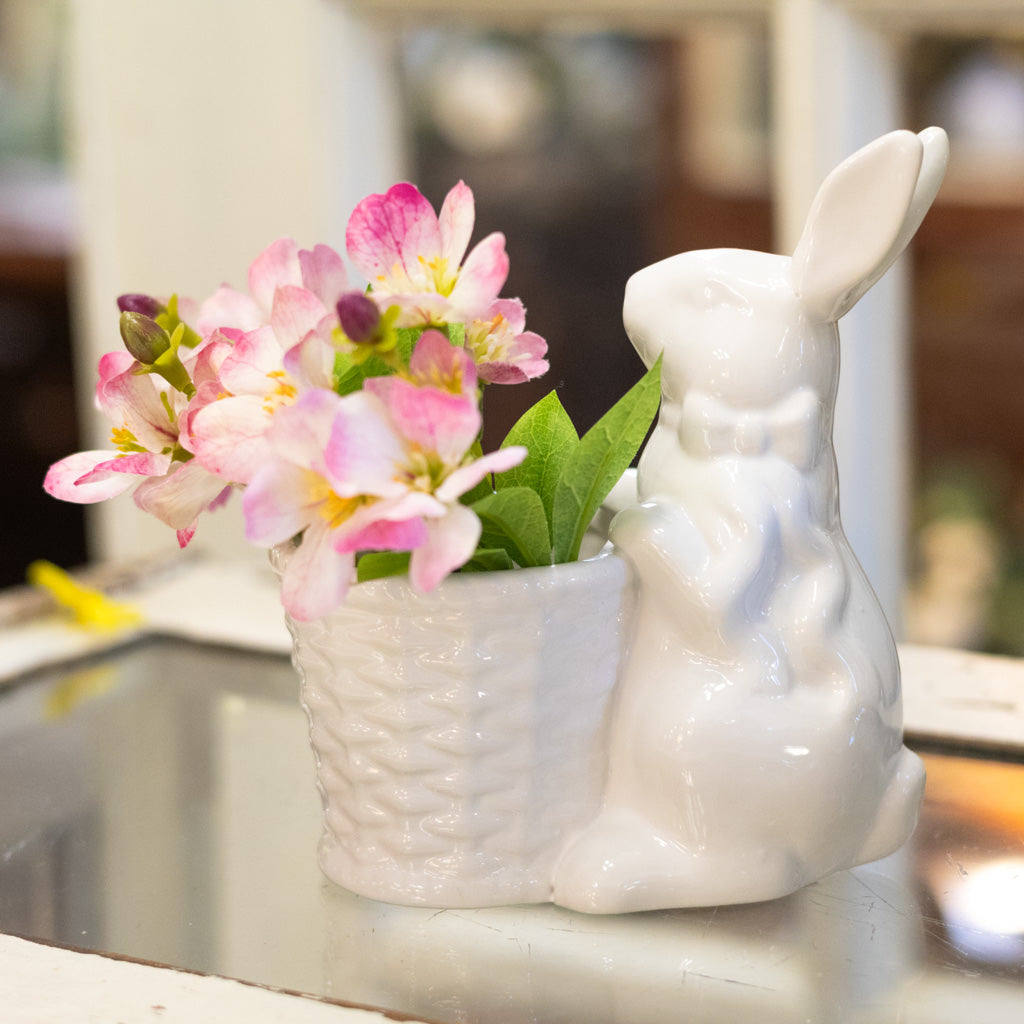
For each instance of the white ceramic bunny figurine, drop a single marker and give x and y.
(756, 739)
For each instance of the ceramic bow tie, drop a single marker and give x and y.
(790, 429)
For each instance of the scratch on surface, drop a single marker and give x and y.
(956, 865)
(728, 981)
(878, 896)
(479, 924)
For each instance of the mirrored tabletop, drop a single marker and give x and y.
(157, 801)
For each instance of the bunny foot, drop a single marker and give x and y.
(621, 864)
(898, 811)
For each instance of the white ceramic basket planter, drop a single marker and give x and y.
(460, 735)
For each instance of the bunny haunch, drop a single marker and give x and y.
(756, 737)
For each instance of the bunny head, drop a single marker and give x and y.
(728, 323)
(749, 328)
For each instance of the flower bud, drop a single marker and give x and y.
(135, 302)
(359, 317)
(144, 338)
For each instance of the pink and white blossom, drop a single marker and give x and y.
(436, 362)
(416, 259)
(253, 405)
(504, 351)
(294, 291)
(226, 424)
(380, 469)
(149, 457)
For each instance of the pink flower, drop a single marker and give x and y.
(438, 363)
(226, 424)
(149, 457)
(281, 333)
(294, 291)
(504, 351)
(380, 469)
(413, 258)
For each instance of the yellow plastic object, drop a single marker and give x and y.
(91, 608)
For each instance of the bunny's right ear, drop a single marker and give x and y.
(863, 217)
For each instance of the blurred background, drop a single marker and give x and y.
(160, 149)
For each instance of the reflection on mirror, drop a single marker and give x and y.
(160, 804)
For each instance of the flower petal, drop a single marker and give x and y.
(451, 541)
(295, 313)
(246, 367)
(132, 401)
(228, 308)
(204, 365)
(436, 360)
(417, 309)
(511, 310)
(282, 499)
(300, 432)
(135, 464)
(311, 363)
(384, 535)
(525, 362)
(456, 223)
(316, 578)
(275, 267)
(228, 437)
(113, 364)
(323, 273)
(482, 276)
(364, 453)
(177, 498)
(436, 420)
(63, 479)
(466, 477)
(387, 234)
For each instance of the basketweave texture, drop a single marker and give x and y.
(460, 735)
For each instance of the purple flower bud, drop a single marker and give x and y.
(144, 338)
(358, 316)
(134, 302)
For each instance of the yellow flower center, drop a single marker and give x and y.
(491, 340)
(423, 471)
(283, 394)
(125, 441)
(336, 510)
(438, 272)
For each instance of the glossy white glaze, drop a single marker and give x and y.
(756, 742)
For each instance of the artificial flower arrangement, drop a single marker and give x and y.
(350, 418)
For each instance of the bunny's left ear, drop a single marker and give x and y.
(863, 217)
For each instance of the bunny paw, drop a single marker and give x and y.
(622, 864)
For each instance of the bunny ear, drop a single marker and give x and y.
(863, 217)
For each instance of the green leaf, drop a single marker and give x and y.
(596, 464)
(348, 377)
(489, 560)
(456, 334)
(407, 338)
(550, 437)
(374, 565)
(513, 519)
